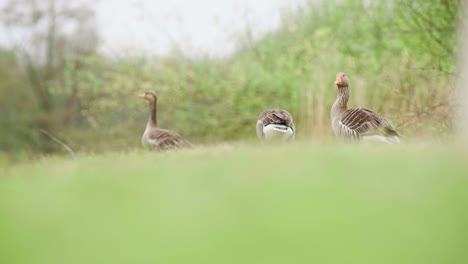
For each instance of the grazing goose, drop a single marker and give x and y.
(275, 124)
(358, 123)
(155, 138)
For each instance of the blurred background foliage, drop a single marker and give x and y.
(399, 55)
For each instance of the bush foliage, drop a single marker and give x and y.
(399, 56)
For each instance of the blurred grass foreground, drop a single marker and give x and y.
(298, 203)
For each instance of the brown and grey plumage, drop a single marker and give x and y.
(155, 138)
(358, 123)
(275, 124)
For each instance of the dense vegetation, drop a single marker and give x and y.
(399, 55)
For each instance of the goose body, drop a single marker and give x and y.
(163, 139)
(155, 138)
(275, 124)
(359, 124)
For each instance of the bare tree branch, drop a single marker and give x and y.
(58, 141)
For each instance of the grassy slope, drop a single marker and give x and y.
(239, 204)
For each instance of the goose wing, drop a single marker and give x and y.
(358, 122)
(276, 116)
(163, 139)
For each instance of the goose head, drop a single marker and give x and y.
(341, 79)
(149, 95)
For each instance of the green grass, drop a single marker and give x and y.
(299, 203)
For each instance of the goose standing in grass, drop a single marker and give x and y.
(358, 123)
(275, 124)
(155, 138)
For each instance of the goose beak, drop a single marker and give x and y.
(141, 95)
(338, 80)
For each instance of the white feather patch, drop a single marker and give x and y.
(281, 132)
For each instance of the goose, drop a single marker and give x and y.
(358, 124)
(155, 138)
(275, 124)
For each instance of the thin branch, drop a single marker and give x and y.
(420, 21)
(58, 141)
(438, 69)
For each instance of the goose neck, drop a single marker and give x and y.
(153, 120)
(341, 102)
